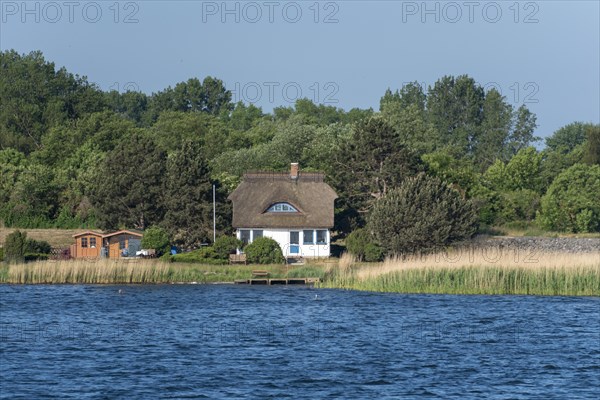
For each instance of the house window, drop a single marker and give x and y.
(282, 208)
(309, 237)
(84, 242)
(245, 236)
(321, 237)
(257, 233)
(93, 242)
(122, 244)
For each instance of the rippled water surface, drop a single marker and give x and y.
(197, 341)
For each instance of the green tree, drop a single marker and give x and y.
(36, 96)
(571, 203)
(371, 163)
(455, 107)
(156, 238)
(129, 184)
(423, 214)
(592, 146)
(495, 129)
(15, 246)
(188, 198)
(567, 138)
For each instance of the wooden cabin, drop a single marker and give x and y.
(90, 244)
(122, 243)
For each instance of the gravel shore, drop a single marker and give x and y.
(562, 245)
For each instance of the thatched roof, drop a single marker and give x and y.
(308, 193)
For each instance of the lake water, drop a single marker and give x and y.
(223, 341)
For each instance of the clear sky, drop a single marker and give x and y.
(343, 53)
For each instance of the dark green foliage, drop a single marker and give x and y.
(592, 147)
(35, 256)
(15, 246)
(188, 198)
(422, 215)
(264, 250)
(567, 138)
(37, 246)
(371, 163)
(128, 188)
(226, 245)
(1, 254)
(571, 203)
(156, 238)
(373, 252)
(204, 255)
(361, 244)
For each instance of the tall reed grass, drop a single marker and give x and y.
(140, 271)
(475, 272)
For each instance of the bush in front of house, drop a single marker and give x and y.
(226, 245)
(156, 238)
(423, 214)
(264, 250)
(361, 244)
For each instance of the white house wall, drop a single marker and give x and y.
(282, 236)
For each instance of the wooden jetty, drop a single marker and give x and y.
(277, 281)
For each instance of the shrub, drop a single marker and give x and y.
(15, 246)
(1, 254)
(37, 246)
(264, 250)
(156, 238)
(226, 245)
(359, 241)
(571, 202)
(204, 255)
(373, 252)
(421, 215)
(35, 256)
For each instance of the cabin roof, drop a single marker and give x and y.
(307, 192)
(133, 232)
(99, 234)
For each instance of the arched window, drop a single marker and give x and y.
(282, 208)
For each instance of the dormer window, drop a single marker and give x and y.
(282, 208)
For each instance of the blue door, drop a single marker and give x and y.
(294, 242)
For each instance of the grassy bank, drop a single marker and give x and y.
(471, 273)
(139, 271)
(462, 272)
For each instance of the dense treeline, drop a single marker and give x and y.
(72, 155)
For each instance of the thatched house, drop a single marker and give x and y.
(295, 209)
(90, 244)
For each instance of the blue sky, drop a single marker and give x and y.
(345, 53)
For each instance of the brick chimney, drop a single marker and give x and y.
(294, 170)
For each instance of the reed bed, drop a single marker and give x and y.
(475, 272)
(139, 271)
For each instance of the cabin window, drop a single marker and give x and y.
(84, 242)
(309, 237)
(321, 237)
(122, 244)
(245, 236)
(257, 233)
(93, 242)
(282, 208)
